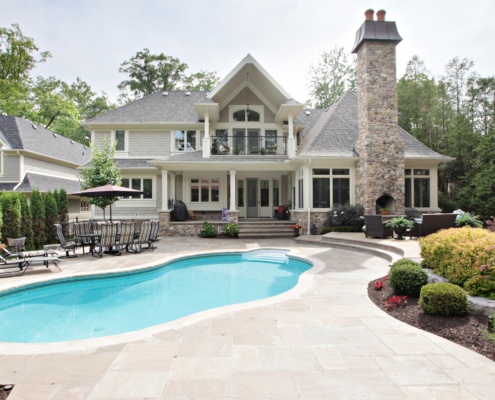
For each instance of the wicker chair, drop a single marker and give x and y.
(376, 228)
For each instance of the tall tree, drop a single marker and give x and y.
(38, 215)
(11, 210)
(149, 73)
(51, 217)
(102, 171)
(26, 227)
(201, 80)
(332, 75)
(62, 205)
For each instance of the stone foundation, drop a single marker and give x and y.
(301, 218)
(192, 227)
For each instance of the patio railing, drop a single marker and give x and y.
(249, 145)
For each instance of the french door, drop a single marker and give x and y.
(258, 198)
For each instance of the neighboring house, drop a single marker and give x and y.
(32, 157)
(249, 147)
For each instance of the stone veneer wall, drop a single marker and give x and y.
(380, 168)
(191, 228)
(301, 218)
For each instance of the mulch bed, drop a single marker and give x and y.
(470, 331)
(5, 391)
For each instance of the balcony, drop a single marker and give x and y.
(249, 145)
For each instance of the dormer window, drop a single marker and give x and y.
(240, 115)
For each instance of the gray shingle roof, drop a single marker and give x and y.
(335, 132)
(133, 163)
(192, 156)
(45, 183)
(24, 135)
(176, 106)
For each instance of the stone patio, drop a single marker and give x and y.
(324, 340)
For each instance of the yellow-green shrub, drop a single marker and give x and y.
(483, 284)
(443, 298)
(454, 252)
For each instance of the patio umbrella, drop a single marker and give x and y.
(107, 191)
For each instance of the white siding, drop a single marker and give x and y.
(149, 144)
(11, 167)
(100, 136)
(47, 168)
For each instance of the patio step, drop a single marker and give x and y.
(265, 229)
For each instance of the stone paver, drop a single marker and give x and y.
(328, 341)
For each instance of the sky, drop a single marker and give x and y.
(91, 38)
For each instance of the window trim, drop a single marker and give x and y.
(410, 173)
(330, 176)
(260, 109)
(140, 202)
(186, 131)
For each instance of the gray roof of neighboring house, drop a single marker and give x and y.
(335, 132)
(176, 106)
(8, 187)
(133, 163)
(45, 183)
(20, 134)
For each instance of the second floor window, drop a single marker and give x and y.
(142, 184)
(120, 139)
(185, 140)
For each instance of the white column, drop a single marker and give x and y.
(206, 139)
(232, 190)
(306, 185)
(164, 190)
(172, 186)
(291, 142)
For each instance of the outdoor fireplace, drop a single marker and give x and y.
(387, 202)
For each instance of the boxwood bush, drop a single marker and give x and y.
(454, 252)
(443, 298)
(407, 279)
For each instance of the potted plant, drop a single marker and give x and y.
(399, 225)
(296, 228)
(236, 151)
(263, 151)
(384, 211)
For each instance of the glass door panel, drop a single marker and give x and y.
(252, 198)
(254, 141)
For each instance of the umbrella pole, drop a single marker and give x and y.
(110, 213)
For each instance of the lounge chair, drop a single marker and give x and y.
(18, 266)
(64, 244)
(17, 244)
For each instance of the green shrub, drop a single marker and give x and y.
(231, 229)
(345, 215)
(51, 217)
(207, 230)
(407, 279)
(405, 261)
(26, 219)
(38, 222)
(454, 252)
(326, 229)
(11, 210)
(467, 219)
(483, 284)
(443, 298)
(346, 229)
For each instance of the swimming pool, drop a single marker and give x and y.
(104, 305)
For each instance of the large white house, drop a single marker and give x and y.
(249, 147)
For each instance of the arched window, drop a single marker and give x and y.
(240, 115)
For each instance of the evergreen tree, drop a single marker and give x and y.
(62, 205)
(51, 217)
(26, 221)
(38, 215)
(11, 210)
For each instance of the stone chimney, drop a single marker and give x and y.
(380, 168)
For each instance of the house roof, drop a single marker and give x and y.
(159, 107)
(19, 134)
(335, 132)
(45, 183)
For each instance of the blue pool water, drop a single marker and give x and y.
(91, 307)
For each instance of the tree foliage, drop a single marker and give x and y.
(51, 217)
(62, 205)
(11, 210)
(148, 73)
(26, 227)
(332, 75)
(102, 171)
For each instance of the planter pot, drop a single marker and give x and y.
(399, 230)
(296, 232)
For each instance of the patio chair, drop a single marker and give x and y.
(375, 227)
(107, 240)
(65, 245)
(144, 237)
(79, 231)
(155, 231)
(126, 237)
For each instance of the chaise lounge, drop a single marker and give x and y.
(431, 223)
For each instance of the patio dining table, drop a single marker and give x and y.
(94, 238)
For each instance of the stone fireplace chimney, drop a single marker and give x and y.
(380, 168)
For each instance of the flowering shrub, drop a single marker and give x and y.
(346, 215)
(484, 283)
(454, 252)
(207, 230)
(395, 301)
(231, 229)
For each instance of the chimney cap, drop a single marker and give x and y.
(380, 15)
(378, 31)
(369, 14)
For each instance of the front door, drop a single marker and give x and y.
(252, 198)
